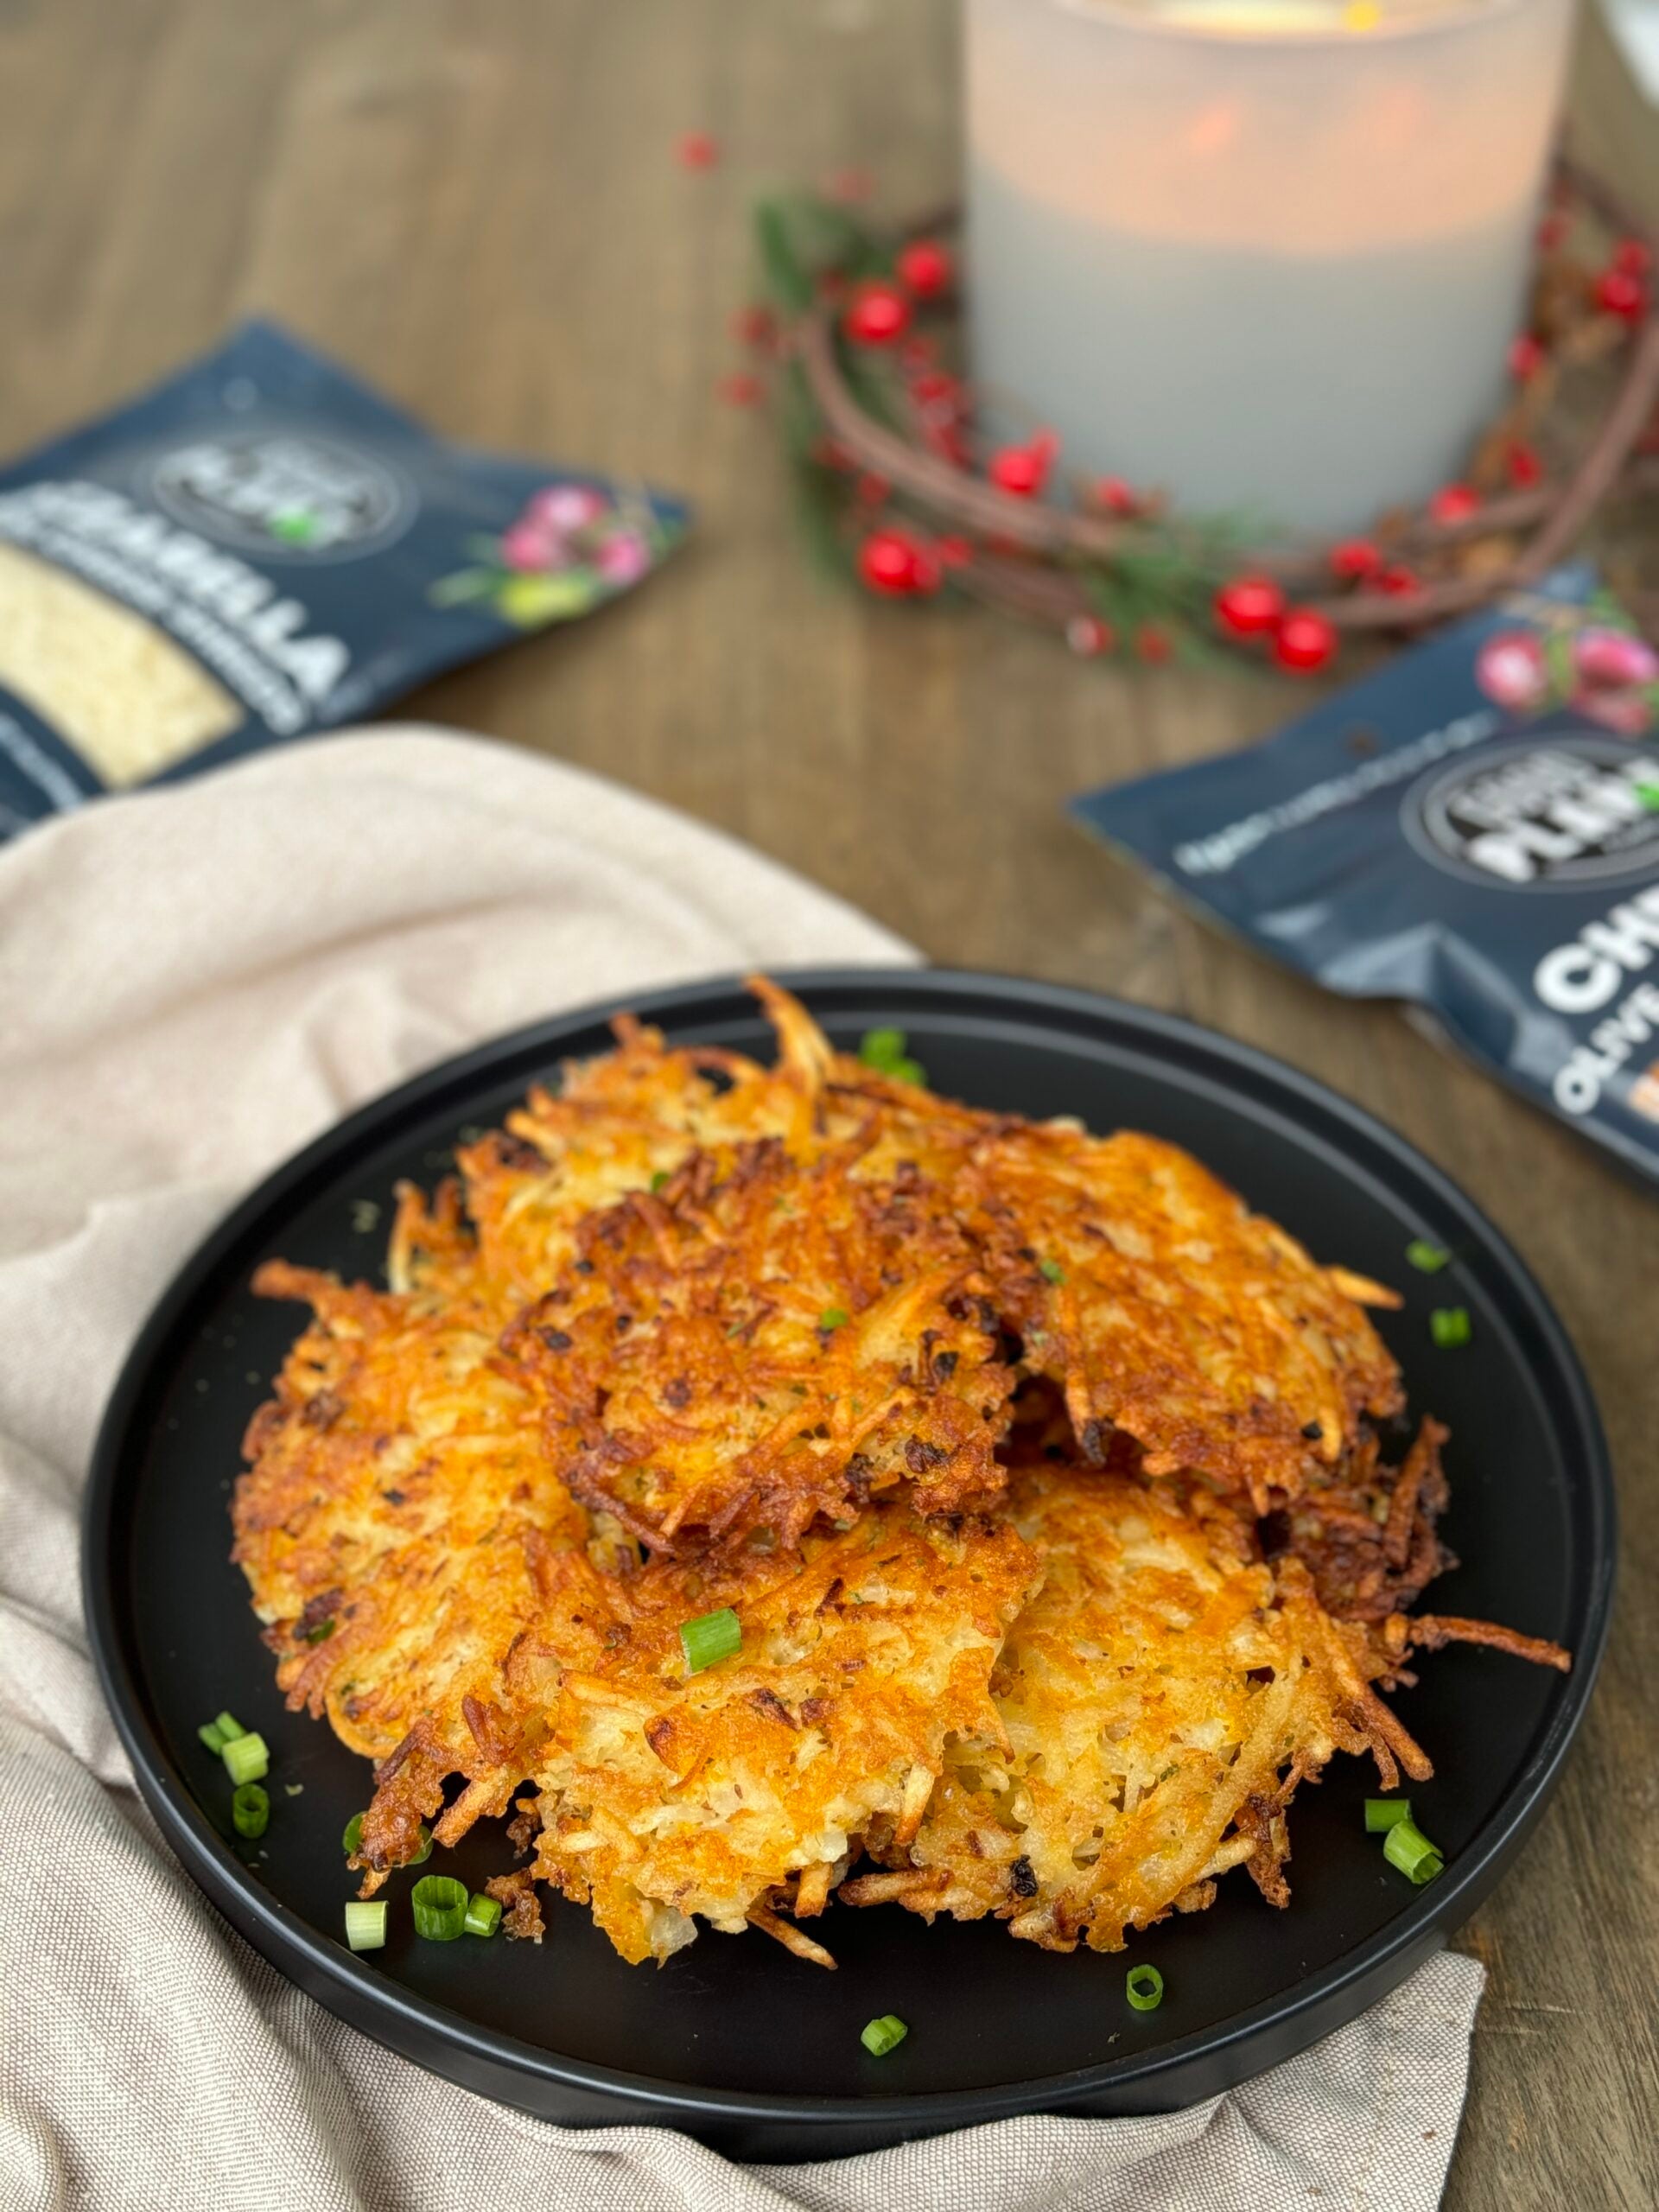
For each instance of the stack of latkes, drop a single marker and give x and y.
(775, 1485)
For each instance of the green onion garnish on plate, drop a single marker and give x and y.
(1427, 1259)
(440, 1904)
(711, 1638)
(1407, 1848)
(1382, 1813)
(483, 1915)
(351, 1842)
(1144, 1987)
(1450, 1326)
(365, 1923)
(247, 1757)
(880, 2036)
(833, 1317)
(250, 1809)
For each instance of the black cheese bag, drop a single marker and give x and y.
(263, 547)
(1474, 830)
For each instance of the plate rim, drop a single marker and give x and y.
(336, 1980)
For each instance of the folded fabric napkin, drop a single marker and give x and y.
(193, 982)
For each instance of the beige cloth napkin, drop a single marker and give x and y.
(192, 983)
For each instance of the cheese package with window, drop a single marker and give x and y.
(262, 548)
(1475, 831)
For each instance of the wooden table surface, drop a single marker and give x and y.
(480, 208)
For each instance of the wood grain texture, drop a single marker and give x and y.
(479, 205)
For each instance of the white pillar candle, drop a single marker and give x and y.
(1266, 256)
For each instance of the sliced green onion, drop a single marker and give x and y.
(1429, 1259)
(250, 1809)
(833, 1317)
(660, 1178)
(711, 1637)
(483, 1915)
(1145, 1988)
(440, 1904)
(293, 1790)
(351, 1842)
(1649, 795)
(884, 1050)
(247, 1759)
(322, 1632)
(1053, 1269)
(1407, 1848)
(880, 2036)
(229, 1727)
(1450, 1326)
(212, 1736)
(422, 1849)
(879, 1048)
(1382, 1813)
(366, 1924)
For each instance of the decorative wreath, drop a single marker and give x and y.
(900, 492)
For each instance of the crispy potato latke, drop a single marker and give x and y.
(1043, 1478)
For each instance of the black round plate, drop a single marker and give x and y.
(734, 2041)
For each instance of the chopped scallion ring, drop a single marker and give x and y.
(247, 1759)
(880, 2035)
(710, 1638)
(1407, 1848)
(212, 1736)
(660, 1178)
(440, 1904)
(1144, 1987)
(884, 1050)
(1450, 1326)
(229, 1727)
(351, 1842)
(366, 1924)
(483, 1915)
(1382, 1813)
(1429, 1259)
(422, 1849)
(250, 1809)
(833, 1317)
(1053, 1269)
(320, 1633)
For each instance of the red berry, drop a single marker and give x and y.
(1618, 293)
(754, 326)
(898, 565)
(1019, 469)
(1524, 467)
(1526, 357)
(1088, 635)
(1455, 503)
(1633, 256)
(924, 267)
(1152, 644)
(1116, 496)
(878, 315)
(1250, 606)
(697, 150)
(1397, 582)
(1304, 640)
(742, 389)
(1354, 558)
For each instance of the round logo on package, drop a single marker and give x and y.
(1541, 813)
(284, 494)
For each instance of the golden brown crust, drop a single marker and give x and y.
(972, 1422)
